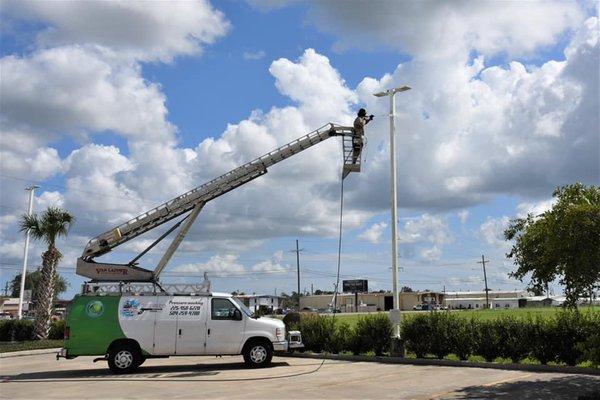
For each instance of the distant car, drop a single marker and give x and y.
(5, 316)
(418, 307)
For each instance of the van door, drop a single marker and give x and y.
(191, 325)
(165, 326)
(226, 327)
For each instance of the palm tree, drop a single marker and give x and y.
(54, 222)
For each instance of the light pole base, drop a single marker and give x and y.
(397, 347)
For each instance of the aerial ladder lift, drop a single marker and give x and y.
(192, 203)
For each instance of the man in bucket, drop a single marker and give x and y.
(359, 130)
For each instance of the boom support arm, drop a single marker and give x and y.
(194, 199)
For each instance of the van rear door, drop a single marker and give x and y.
(191, 325)
(165, 327)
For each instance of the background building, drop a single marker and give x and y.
(370, 302)
(254, 301)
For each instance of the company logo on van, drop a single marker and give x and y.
(94, 309)
(130, 308)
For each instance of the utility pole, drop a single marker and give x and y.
(31, 190)
(298, 265)
(297, 251)
(6, 289)
(395, 313)
(311, 289)
(483, 262)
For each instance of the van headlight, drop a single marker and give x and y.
(280, 334)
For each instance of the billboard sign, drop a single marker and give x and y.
(355, 286)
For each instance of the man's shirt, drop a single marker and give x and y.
(359, 125)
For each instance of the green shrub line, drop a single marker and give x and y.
(569, 337)
(22, 330)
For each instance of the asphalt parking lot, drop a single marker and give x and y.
(42, 377)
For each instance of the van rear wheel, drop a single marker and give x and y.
(124, 358)
(258, 354)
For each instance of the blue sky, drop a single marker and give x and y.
(110, 122)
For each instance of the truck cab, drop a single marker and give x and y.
(127, 328)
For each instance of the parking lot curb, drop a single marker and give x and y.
(451, 363)
(29, 353)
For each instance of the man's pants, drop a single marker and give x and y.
(357, 145)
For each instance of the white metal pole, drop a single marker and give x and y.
(394, 219)
(31, 190)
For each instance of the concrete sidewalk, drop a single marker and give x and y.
(42, 377)
(29, 352)
(561, 369)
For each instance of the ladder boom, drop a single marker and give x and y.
(173, 208)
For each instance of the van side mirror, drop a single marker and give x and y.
(237, 315)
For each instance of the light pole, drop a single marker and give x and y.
(31, 190)
(395, 313)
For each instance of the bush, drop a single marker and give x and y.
(544, 342)
(23, 330)
(515, 338)
(462, 335)
(317, 332)
(6, 330)
(291, 320)
(342, 339)
(439, 341)
(374, 333)
(57, 330)
(590, 348)
(416, 333)
(486, 339)
(570, 328)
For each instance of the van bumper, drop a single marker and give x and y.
(280, 347)
(64, 353)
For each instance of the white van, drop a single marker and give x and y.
(128, 328)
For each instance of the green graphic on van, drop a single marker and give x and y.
(94, 309)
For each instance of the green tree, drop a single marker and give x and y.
(32, 280)
(51, 224)
(562, 243)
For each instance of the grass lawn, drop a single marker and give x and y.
(30, 345)
(481, 314)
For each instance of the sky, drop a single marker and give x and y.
(115, 107)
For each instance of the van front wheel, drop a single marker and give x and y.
(258, 354)
(123, 359)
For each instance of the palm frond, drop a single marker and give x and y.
(52, 223)
(32, 224)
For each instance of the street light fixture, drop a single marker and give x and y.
(31, 190)
(395, 313)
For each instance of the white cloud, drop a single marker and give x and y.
(492, 231)
(77, 90)
(427, 228)
(470, 132)
(437, 29)
(535, 208)
(271, 266)
(373, 233)
(138, 29)
(431, 254)
(254, 55)
(217, 265)
(463, 215)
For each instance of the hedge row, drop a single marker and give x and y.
(372, 333)
(568, 337)
(22, 330)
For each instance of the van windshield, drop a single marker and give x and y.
(242, 306)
